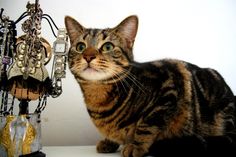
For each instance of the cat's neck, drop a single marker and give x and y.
(98, 94)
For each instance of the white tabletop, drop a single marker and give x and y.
(75, 151)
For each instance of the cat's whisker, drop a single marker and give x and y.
(114, 73)
(132, 78)
(136, 82)
(123, 72)
(113, 78)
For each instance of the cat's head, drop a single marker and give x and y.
(101, 54)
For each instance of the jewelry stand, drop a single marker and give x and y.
(23, 76)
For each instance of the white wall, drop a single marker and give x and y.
(199, 31)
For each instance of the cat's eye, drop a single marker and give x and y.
(80, 47)
(108, 46)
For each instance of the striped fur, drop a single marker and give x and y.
(136, 104)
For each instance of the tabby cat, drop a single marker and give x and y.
(138, 104)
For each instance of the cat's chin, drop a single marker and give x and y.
(92, 74)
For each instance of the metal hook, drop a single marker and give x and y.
(1, 14)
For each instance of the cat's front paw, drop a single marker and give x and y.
(107, 146)
(132, 150)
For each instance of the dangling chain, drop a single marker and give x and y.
(7, 43)
(41, 104)
(29, 53)
(7, 47)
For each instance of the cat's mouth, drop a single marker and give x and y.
(90, 70)
(93, 74)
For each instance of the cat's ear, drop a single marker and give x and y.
(74, 28)
(128, 29)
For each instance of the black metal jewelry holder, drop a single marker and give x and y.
(35, 154)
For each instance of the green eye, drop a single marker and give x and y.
(108, 46)
(80, 47)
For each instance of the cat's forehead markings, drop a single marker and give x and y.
(94, 32)
(85, 36)
(95, 36)
(104, 33)
(91, 36)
